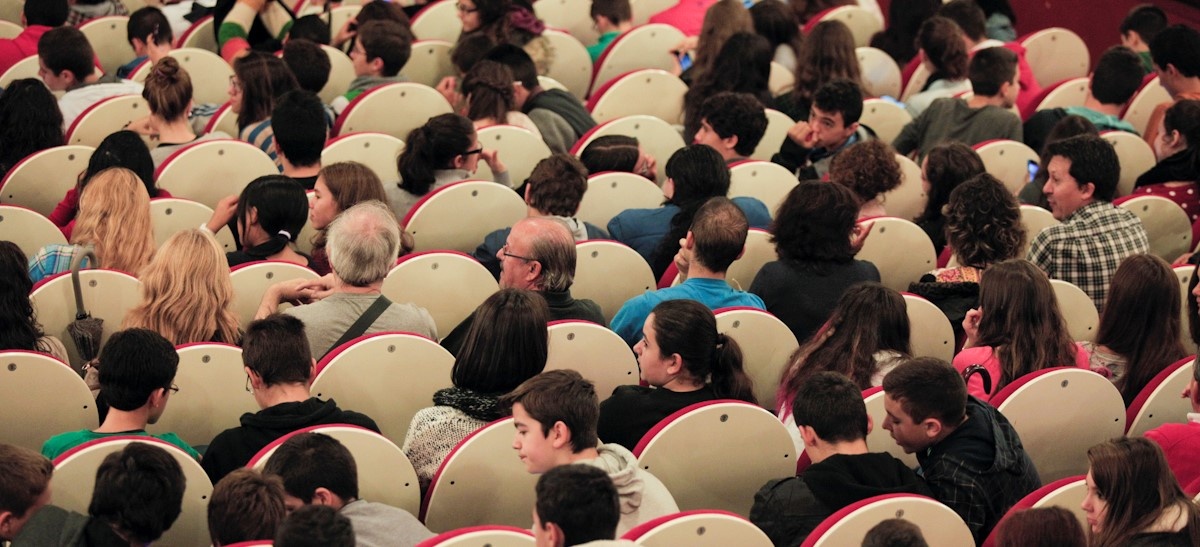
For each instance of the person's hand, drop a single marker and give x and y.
(1182, 260)
(349, 30)
(687, 44)
(970, 326)
(141, 126)
(448, 87)
(683, 260)
(858, 236)
(317, 289)
(223, 213)
(802, 134)
(492, 158)
(285, 291)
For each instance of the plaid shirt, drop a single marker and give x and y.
(980, 470)
(1088, 246)
(79, 16)
(52, 259)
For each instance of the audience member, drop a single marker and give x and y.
(1042, 527)
(137, 373)
(722, 19)
(508, 22)
(19, 327)
(279, 369)
(866, 336)
(24, 487)
(113, 222)
(829, 410)
(945, 167)
(120, 149)
(245, 24)
(168, 93)
(83, 11)
(1176, 55)
(338, 187)
(742, 67)
(970, 456)
(311, 27)
(444, 151)
(1177, 149)
(490, 98)
(67, 63)
(611, 18)
(1017, 329)
(302, 128)
(683, 360)
(1001, 19)
(1139, 332)
(259, 79)
(149, 34)
(716, 237)
(30, 122)
(555, 415)
(553, 191)
(776, 22)
(695, 174)
(827, 56)
(576, 505)
(316, 526)
(37, 18)
(316, 469)
(870, 170)
(894, 532)
(812, 232)
(1094, 236)
(1133, 498)
(187, 295)
(559, 116)
(245, 506)
(730, 123)
(1139, 28)
(985, 116)
(505, 346)
(898, 39)
(384, 11)
(831, 126)
(537, 254)
(944, 56)
(1180, 441)
(363, 243)
(138, 495)
(381, 49)
(618, 153)
(1111, 85)
(269, 214)
(983, 227)
(687, 16)
(309, 64)
(1066, 128)
(972, 20)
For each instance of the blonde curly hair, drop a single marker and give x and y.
(114, 218)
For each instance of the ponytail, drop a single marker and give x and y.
(282, 208)
(729, 379)
(431, 147)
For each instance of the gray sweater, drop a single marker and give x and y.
(950, 119)
(379, 525)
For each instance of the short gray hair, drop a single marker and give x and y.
(363, 243)
(553, 246)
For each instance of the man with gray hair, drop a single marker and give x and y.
(362, 245)
(539, 255)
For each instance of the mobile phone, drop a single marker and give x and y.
(1033, 170)
(685, 60)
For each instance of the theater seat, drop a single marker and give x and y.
(1137, 111)
(1078, 310)
(25, 68)
(1008, 161)
(429, 63)
(1035, 219)
(377, 151)
(107, 35)
(778, 124)
(1072, 92)
(251, 281)
(571, 17)
(28, 229)
(486, 535)
(862, 23)
(644, 46)
(395, 109)
(767, 182)
(906, 201)
(211, 170)
(939, 524)
(1159, 402)
(767, 346)
(1067, 493)
(437, 21)
(759, 250)
(880, 74)
(105, 117)
(1184, 275)
(341, 73)
(885, 118)
(571, 64)
(899, 249)
(609, 273)
(41, 180)
(701, 528)
(611, 192)
(520, 149)
(107, 295)
(1056, 54)
(458, 216)
(169, 216)
(50, 396)
(1136, 157)
(212, 396)
(879, 439)
(200, 35)
(657, 137)
(1167, 225)
(626, 95)
(448, 284)
(930, 332)
(595, 352)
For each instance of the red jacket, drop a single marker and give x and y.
(24, 45)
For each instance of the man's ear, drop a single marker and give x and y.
(809, 435)
(933, 427)
(6, 524)
(730, 142)
(1087, 190)
(322, 496)
(376, 64)
(870, 424)
(560, 435)
(556, 534)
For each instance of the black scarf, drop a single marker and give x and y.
(476, 405)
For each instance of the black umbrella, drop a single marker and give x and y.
(85, 330)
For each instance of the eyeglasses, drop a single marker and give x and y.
(504, 252)
(174, 388)
(248, 388)
(475, 151)
(233, 82)
(463, 9)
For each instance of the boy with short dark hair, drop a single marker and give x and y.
(576, 505)
(301, 128)
(732, 124)
(1139, 28)
(832, 126)
(971, 457)
(149, 33)
(245, 506)
(612, 18)
(67, 63)
(833, 422)
(381, 50)
(24, 487)
(555, 414)
(315, 526)
(316, 469)
(137, 368)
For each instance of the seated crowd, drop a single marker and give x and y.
(853, 328)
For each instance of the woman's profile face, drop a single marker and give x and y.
(651, 362)
(322, 208)
(235, 94)
(468, 13)
(1094, 506)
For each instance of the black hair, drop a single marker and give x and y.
(66, 48)
(688, 328)
(315, 526)
(47, 13)
(506, 344)
(122, 149)
(904, 18)
(832, 405)
(968, 16)
(135, 363)
(310, 27)
(1177, 45)
(521, 64)
(263, 78)
(947, 165)
(581, 500)
(990, 69)
(611, 153)
(814, 223)
(698, 173)
(282, 211)
(928, 387)
(471, 49)
(840, 96)
(308, 63)
(276, 348)
(300, 127)
(148, 21)
(431, 147)
(1146, 19)
(1093, 160)
(31, 120)
(738, 81)
(389, 41)
(138, 491)
(1118, 76)
(735, 114)
(17, 315)
(309, 461)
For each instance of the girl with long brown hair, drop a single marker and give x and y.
(1133, 498)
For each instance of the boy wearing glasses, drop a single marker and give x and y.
(137, 368)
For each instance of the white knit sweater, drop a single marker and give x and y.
(433, 433)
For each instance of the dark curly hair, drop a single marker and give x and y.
(31, 120)
(946, 166)
(814, 222)
(868, 168)
(983, 222)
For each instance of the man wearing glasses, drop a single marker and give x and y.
(137, 368)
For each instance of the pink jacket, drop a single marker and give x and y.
(24, 45)
(983, 355)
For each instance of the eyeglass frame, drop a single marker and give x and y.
(504, 252)
(462, 9)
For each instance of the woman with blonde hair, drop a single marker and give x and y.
(114, 220)
(186, 292)
(1133, 498)
(339, 186)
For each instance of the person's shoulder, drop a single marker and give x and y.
(55, 446)
(623, 394)
(178, 442)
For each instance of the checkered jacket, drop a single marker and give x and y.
(1088, 246)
